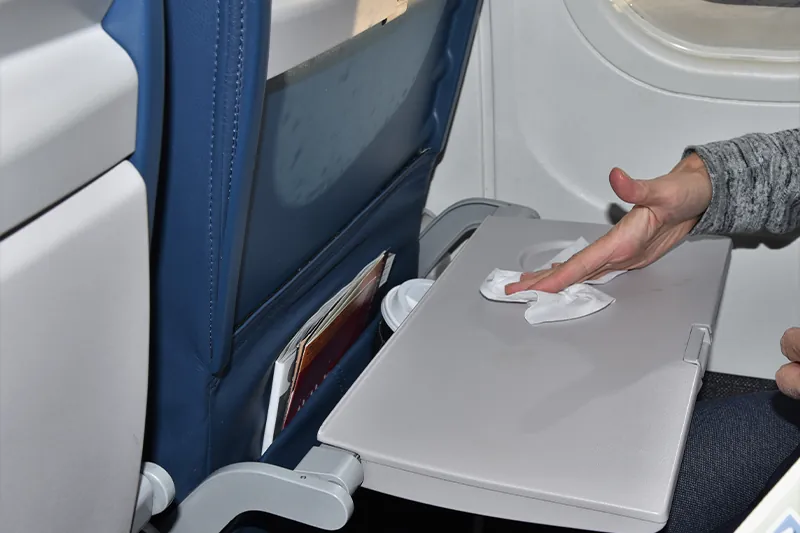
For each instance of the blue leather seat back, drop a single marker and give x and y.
(138, 27)
(276, 195)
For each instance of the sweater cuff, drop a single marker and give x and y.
(714, 157)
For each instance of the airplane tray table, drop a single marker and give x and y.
(577, 424)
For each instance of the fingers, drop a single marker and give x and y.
(788, 376)
(589, 263)
(584, 265)
(788, 380)
(628, 189)
(658, 192)
(790, 344)
(519, 286)
(526, 281)
(539, 273)
(602, 273)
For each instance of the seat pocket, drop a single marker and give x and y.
(391, 221)
(240, 394)
(300, 435)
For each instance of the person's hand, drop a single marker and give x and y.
(788, 376)
(665, 210)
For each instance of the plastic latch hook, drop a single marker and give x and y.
(698, 347)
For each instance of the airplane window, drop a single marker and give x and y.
(766, 29)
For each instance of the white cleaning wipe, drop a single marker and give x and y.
(575, 301)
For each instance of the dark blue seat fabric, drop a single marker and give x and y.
(215, 78)
(274, 195)
(138, 27)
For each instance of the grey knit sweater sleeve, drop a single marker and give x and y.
(755, 182)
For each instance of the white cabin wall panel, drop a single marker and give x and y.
(562, 117)
(460, 174)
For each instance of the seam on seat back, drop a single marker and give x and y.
(207, 178)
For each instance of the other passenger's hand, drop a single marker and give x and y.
(788, 376)
(665, 210)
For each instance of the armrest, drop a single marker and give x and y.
(317, 493)
(156, 492)
(455, 224)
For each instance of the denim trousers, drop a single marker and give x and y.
(737, 448)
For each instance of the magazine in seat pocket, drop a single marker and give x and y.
(293, 443)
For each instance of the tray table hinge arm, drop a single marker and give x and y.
(316, 493)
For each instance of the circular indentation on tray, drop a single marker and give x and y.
(537, 255)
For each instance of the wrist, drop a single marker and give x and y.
(693, 164)
(698, 181)
(698, 186)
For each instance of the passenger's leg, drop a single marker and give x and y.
(734, 446)
(734, 524)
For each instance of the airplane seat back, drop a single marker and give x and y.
(275, 194)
